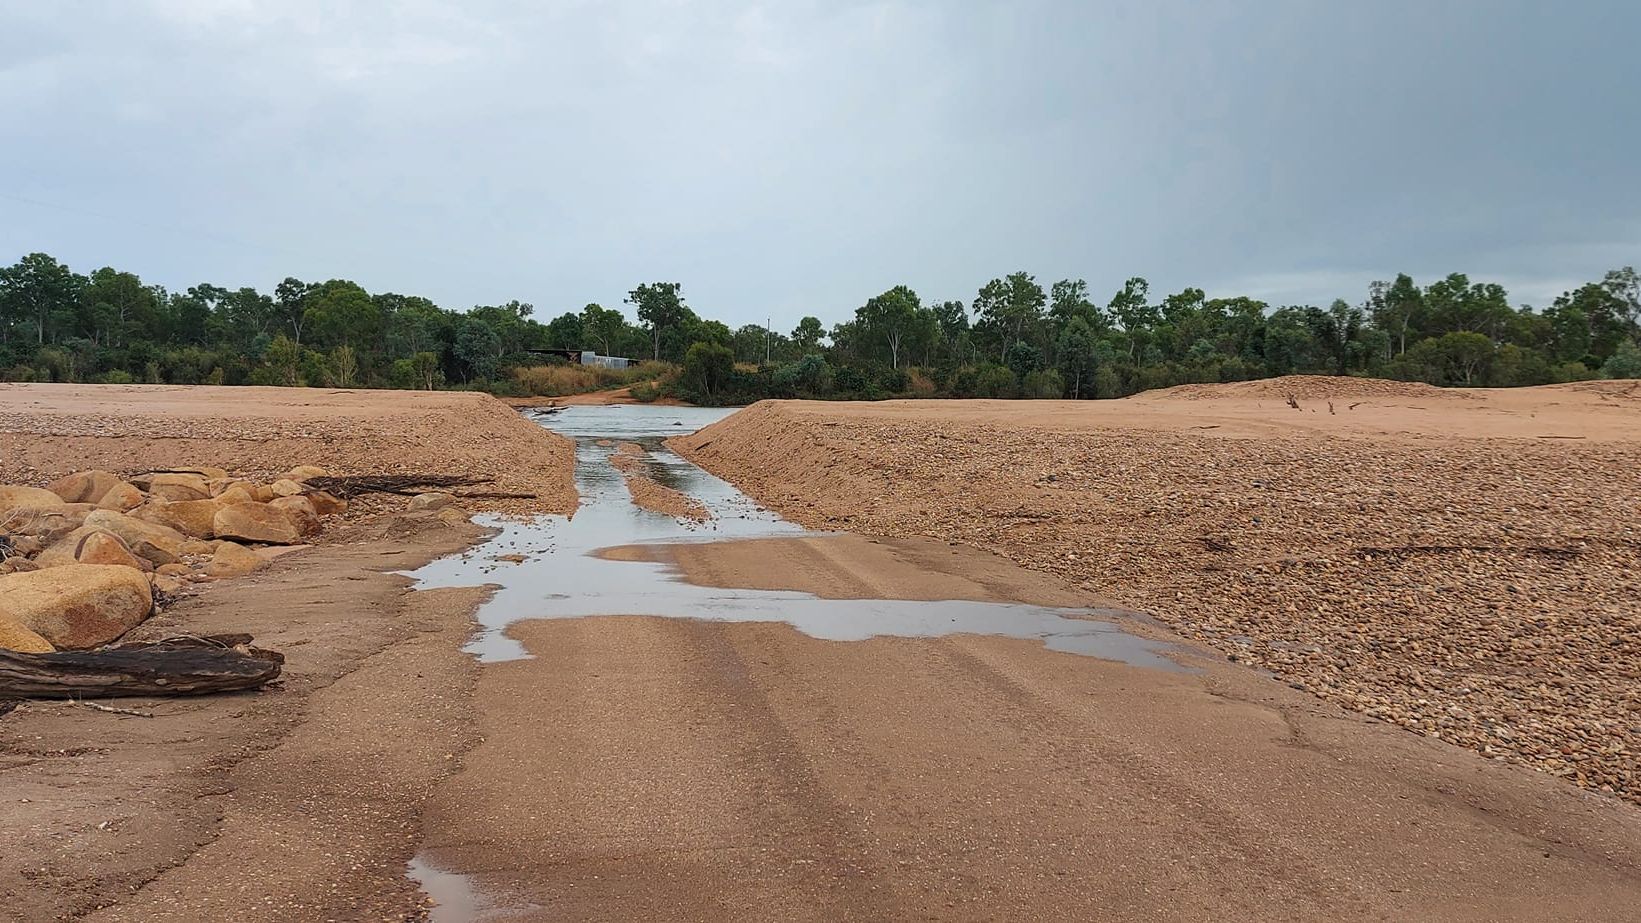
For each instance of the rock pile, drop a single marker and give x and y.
(83, 559)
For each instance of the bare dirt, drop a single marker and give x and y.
(301, 801)
(49, 430)
(660, 769)
(1464, 564)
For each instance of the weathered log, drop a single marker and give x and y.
(174, 666)
(404, 484)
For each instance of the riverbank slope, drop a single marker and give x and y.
(1461, 563)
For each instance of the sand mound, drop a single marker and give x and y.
(1622, 388)
(1301, 387)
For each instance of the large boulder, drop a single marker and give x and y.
(193, 518)
(88, 545)
(300, 510)
(98, 547)
(122, 497)
(14, 637)
(237, 494)
(259, 493)
(27, 498)
(84, 486)
(234, 560)
(47, 524)
(151, 541)
(430, 501)
(285, 487)
(304, 472)
(175, 485)
(326, 503)
(178, 492)
(75, 608)
(256, 522)
(62, 552)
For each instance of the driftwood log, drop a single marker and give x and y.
(174, 666)
(405, 484)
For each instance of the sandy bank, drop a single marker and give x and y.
(302, 800)
(1429, 559)
(49, 430)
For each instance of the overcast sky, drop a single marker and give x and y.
(791, 158)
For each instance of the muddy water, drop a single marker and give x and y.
(560, 576)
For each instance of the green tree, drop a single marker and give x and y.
(511, 323)
(290, 303)
(284, 358)
(888, 318)
(1077, 350)
(807, 335)
(1008, 308)
(707, 370)
(1625, 362)
(603, 327)
(1138, 317)
(117, 307)
(425, 366)
(1068, 301)
(38, 290)
(1335, 330)
(1396, 308)
(660, 307)
(1454, 305)
(341, 313)
(344, 363)
(477, 348)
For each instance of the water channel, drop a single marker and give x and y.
(561, 576)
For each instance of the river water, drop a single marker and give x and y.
(561, 576)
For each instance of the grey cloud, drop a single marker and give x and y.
(790, 158)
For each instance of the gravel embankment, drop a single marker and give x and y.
(1480, 590)
(49, 430)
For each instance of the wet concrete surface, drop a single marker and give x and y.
(561, 575)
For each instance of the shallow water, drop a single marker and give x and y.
(562, 578)
(454, 896)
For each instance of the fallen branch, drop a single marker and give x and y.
(173, 666)
(402, 484)
(111, 709)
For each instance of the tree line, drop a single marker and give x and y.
(1014, 338)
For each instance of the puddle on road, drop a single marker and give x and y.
(453, 897)
(561, 577)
